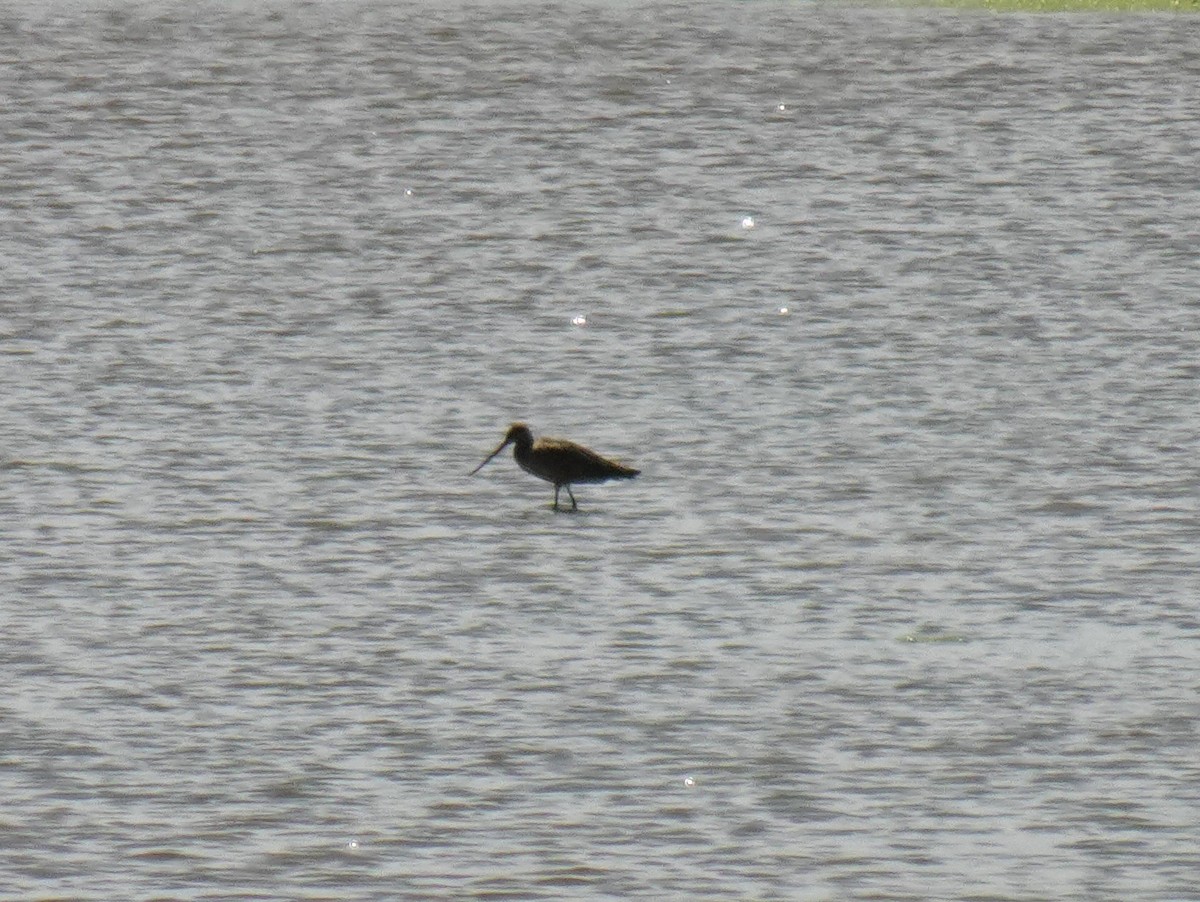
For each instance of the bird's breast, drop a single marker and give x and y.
(539, 465)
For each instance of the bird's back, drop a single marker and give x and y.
(564, 462)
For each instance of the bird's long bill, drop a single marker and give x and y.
(503, 445)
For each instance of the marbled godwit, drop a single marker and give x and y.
(559, 461)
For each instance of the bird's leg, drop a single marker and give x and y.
(574, 506)
(556, 488)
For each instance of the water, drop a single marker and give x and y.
(897, 312)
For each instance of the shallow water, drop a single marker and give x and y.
(896, 311)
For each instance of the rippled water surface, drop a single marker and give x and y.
(897, 311)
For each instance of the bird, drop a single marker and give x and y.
(558, 461)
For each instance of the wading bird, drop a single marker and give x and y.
(559, 461)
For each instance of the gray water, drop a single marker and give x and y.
(896, 311)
